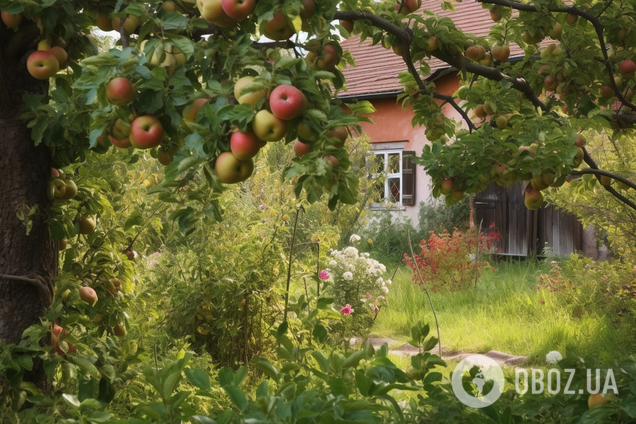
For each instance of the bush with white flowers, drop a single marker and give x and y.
(357, 280)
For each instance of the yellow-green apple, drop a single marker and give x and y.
(495, 14)
(488, 108)
(61, 245)
(146, 132)
(479, 111)
(578, 158)
(57, 188)
(130, 24)
(446, 187)
(431, 44)
(88, 295)
(170, 6)
(410, 6)
(42, 64)
(238, 9)
(538, 183)
(11, 20)
(556, 31)
(268, 127)
(340, 133)
(279, 28)
(120, 91)
(231, 170)
(71, 190)
(605, 180)
(571, 18)
(487, 60)
(533, 199)
(301, 148)
(44, 45)
(113, 286)
(502, 122)
(501, 53)
(332, 160)
(398, 49)
(287, 102)
(627, 68)
(307, 9)
(212, 11)
(244, 145)
(596, 399)
(103, 22)
(190, 111)
(458, 195)
(85, 225)
(120, 129)
(61, 56)
(119, 330)
(249, 98)
(306, 133)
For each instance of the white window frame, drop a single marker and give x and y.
(387, 195)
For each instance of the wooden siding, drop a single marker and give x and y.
(525, 232)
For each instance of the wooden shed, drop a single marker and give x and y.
(525, 232)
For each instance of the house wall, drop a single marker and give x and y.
(393, 124)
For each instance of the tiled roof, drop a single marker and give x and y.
(377, 68)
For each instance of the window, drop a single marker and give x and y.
(397, 189)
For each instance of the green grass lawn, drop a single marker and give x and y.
(503, 313)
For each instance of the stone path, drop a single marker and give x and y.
(452, 355)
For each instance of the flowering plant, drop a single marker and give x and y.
(357, 285)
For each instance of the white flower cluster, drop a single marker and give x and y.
(357, 278)
(553, 357)
(354, 238)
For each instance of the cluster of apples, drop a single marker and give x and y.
(487, 110)
(322, 55)
(47, 60)
(103, 22)
(626, 70)
(61, 187)
(58, 334)
(228, 13)
(142, 132)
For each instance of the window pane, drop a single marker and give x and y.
(394, 163)
(377, 191)
(394, 190)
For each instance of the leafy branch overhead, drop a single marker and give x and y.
(201, 86)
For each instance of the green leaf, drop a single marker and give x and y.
(85, 365)
(135, 218)
(236, 396)
(71, 400)
(203, 420)
(266, 367)
(199, 378)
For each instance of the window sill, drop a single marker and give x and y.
(386, 208)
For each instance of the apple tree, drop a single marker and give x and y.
(203, 86)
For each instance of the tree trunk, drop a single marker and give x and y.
(24, 175)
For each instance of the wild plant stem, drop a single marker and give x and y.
(291, 258)
(430, 301)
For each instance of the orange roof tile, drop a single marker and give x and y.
(377, 68)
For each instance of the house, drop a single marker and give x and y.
(393, 139)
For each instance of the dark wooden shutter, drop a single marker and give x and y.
(408, 178)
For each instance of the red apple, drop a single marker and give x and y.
(11, 20)
(238, 9)
(446, 187)
(580, 141)
(348, 25)
(212, 11)
(410, 6)
(627, 68)
(301, 148)
(329, 58)
(287, 102)
(146, 132)
(340, 132)
(57, 335)
(332, 160)
(120, 91)
(607, 92)
(88, 295)
(268, 127)
(307, 9)
(279, 28)
(231, 170)
(42, 64)
(121, 143)
(61, 55)
(550, 82)
(244, 145)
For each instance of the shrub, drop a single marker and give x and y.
(445, 259)
(357, 285)
(437, 216)
(584, 286)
